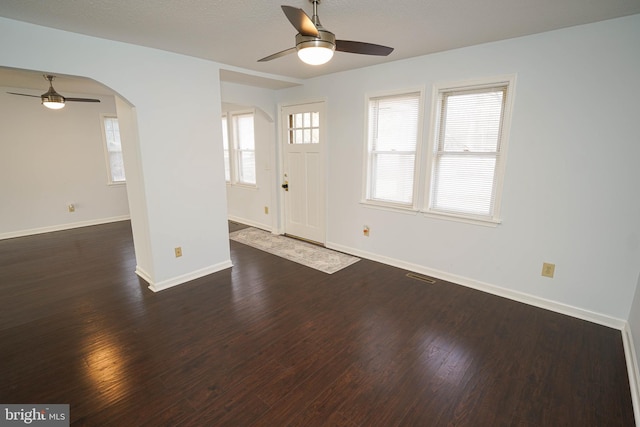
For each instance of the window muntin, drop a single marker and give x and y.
(304, 128)
(392, 144)
(113, 149)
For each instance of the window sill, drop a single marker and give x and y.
(485, 222)
(389, 207)
(116, 184)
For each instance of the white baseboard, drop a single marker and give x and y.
(632, 370)
(175, 281)
(62, 227)
(143, 274)
(266, 227)
(533, 300)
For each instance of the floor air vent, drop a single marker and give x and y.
(421, 278)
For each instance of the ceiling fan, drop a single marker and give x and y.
(52, 99)
(315, 45)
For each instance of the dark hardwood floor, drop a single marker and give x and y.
(273, 343)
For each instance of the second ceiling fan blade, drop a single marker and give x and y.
(362, 48)
(24, 94)
(300, 21)
(82, 99)
(277, 55)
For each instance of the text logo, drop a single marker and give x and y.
(36, 415)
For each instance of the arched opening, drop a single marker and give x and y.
(56, 163)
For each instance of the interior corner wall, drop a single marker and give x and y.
(246, 204)
(51, 159)
(181, 156)
(634, 316)
(128, 127)
(633, 341)
(571, 185)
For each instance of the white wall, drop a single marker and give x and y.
(49, 159)
(177, 155)
(571, 188)
(246, 205)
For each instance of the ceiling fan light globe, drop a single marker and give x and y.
(316, 50)
(315, 55)
(52, 100)
(54, 105)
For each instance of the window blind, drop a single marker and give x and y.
(393, 137)
(245, 145)
(114, 149)
(468, 151)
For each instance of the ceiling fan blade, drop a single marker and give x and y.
(24, 94)
(277, 55)
(362, 48)
(81, 99)
(300, 21)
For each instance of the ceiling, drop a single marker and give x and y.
(239, 32)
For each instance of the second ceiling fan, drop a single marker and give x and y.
(315, 45)
(52, 99)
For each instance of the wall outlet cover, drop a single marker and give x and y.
(548, 269)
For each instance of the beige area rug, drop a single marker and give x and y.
(304, 253)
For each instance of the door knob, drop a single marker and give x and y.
(285, 186)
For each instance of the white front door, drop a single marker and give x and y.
(303, 141)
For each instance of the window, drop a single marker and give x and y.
(393, 136)
(245, 148)
(468, 148)
(238, 140)
(304, 128)
(113, 150)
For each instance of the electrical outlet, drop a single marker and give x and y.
(365, 230)
(266, 210)
(178, 251)
(71, 207)
(548, 269)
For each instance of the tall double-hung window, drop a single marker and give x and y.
(393, 138)
(238, 138)
(467, 156)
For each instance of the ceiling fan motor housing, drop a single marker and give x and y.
(52, 96)
(325, 39)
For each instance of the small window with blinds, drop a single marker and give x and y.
(238, 140)
(245, 148)
(113, 150)
(392, 146)
(467, 161)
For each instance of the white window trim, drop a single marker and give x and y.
(384, 205)
(110, 180)
(225, 116)
(510, 81)
(233, 151)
